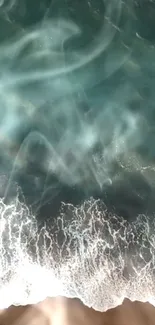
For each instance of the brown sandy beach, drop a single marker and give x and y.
(63, 311)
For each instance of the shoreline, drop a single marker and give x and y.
(67, 311)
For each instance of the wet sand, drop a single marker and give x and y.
(62, 311)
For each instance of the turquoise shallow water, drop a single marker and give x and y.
(77, 150)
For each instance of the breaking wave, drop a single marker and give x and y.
(87, 253)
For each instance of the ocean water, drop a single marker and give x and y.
(77, 159)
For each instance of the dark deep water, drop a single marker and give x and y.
(129, 193)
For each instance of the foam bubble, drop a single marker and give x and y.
(87, 253)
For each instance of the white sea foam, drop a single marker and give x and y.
(86, 253)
